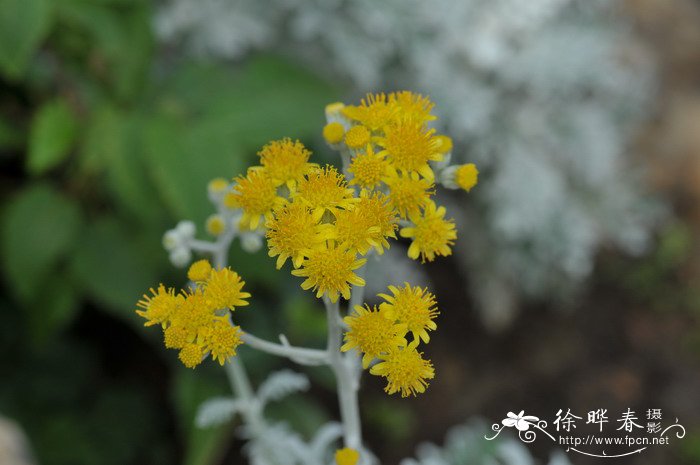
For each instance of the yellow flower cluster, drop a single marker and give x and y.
(381, 333)
(391, 149)
(195, 321)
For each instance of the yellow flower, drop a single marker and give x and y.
(432, 234)
(368, 169)
(372, 333)
(357, 137)
(218, 186)
(256, 195)
(194, 314)
(467, 176)
(325, 189)
(346, 456)
(224, 289)
(412, 306)
(410, 146)
(374, 112)
(285, 162)
(367, 225)
(221, 340)
(414, 106)
(176, 336)
(191, 355)
(405, 371)
(408, 193)
(330, 271)
(159, 307)
(292, 233)
(199, 271)
(443, 144)
(333, 132)
(215, 225)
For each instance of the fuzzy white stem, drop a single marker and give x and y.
(347, 384)
(300, 355)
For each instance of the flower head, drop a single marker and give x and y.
(368, 169)
(215, 225)
(330, 270)
(357, 137)
(199, 271)
(432, 234)
(410, 146)
(346, 456)
(221, 339)
(374, 112)
(367, 225)
(159, 307)
(405, 371)
(292, 233)
(324, 189)
(224, 289)
(412, 306)
(372, 333)
(408, 193)
(285, 161)
(191, 355)
(256, 195)
(333, 132)
(411, 105)
(467, 176)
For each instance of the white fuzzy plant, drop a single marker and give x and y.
(544, 95)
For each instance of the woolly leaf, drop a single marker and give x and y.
(281, 384)
(217, 411)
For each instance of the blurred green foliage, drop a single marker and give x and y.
(105, 142)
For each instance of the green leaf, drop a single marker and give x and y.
(51, 137)
(120, 38)
(38, 229)
(54, 308)
(23, 25)
(110, 146)
(111, 267)
(210, 121)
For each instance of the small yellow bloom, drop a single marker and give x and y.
(199, 271)
(159, 307)
(368, 169)
(374, 112)
(405, 371)
(467, 176)
(408, 193)
(256, 195)
(367, 225)
(285, 161)
(330, 271)
(176, 336)
(432, 234)
(333, 132)
(413, 106)
(224, 289)
(414, 307)
(292, 233)
(346, 456)
(443, 144)
(218, 186)
(357, 137)
(324, 189)
(372, 333)
(409, 146)
(221, 340)
(191, 355)
(215, 225)
(194, 314)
